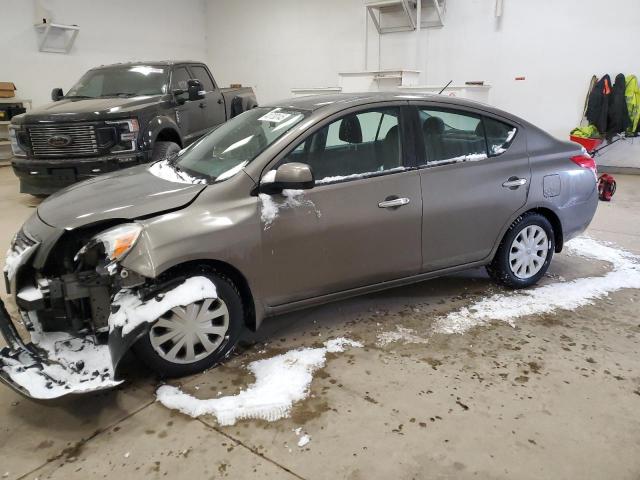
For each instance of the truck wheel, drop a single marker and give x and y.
(525, 253)
(162, 150)
(194, 337)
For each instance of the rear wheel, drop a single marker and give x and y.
(191, 338)
(525, 253)
(162, 150)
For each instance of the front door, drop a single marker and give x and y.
(359, 225)
(474, 178)
(187, 113)
(212, 109)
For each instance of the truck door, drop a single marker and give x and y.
(188, 113)
(212, 108)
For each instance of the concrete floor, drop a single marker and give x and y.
(557, 396)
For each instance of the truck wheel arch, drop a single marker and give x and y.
(162, 128)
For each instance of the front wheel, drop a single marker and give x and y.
(191, 338)
(525, 253)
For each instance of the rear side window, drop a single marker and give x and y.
(200, 73)
(499, 136)
(451, 137)
(354, 146)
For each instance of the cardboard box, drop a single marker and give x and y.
(7, 90)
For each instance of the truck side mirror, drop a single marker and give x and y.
(56, 94)
(195, 89)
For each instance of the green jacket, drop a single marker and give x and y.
(590, 131)
(632, 94)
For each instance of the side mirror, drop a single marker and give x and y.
(195, 89)
(290, 176)
(56, 94)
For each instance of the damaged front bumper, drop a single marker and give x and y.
(64, 356)
(62, 365)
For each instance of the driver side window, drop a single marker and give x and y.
(179, 78)
(356, 145)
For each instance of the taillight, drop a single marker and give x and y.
(586, 161)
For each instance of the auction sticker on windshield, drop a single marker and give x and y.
(274, 116)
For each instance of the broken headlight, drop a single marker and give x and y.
(112, 244)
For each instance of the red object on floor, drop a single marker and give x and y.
(590, 144)
(606, 187)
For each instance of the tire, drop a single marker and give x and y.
(157, 355)
(162, 150)
(529, 237)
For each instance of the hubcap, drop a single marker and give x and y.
(191, 333)
(528, 251)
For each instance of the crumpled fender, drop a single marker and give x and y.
(120, 344)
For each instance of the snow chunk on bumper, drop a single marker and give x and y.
(129, 311)
(69, 365)
(280, 382)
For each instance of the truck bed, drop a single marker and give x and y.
(245, 93)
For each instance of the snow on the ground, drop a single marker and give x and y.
(304, 439)
(132, 311)
(75, 365)
(272, 204)
(165, 171)
(401, 334)
(280, 382)
(566, 295)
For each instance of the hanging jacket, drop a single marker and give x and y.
(632, 94)
(598, 105)
(590, 131)
(618, 115)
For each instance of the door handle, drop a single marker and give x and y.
(202, 105)
(514, 182)
(219, 101)
(393, 203)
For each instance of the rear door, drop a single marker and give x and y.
(475, 175)
(212, 111)
(360, 224)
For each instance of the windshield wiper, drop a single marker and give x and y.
(120, 94)
(77, 96)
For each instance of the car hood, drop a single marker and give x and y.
(71, 110)
(125, 194)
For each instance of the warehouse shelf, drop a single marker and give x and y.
(51, 30)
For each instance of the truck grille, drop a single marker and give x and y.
(63, 140)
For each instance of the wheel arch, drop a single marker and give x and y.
(554, 220)
(235, 275)
(168, 135)
(162, 128)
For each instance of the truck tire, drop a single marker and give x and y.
(206, 349)
(162, 150)
(525, 252)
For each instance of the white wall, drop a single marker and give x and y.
(110, 31)
(556, 45)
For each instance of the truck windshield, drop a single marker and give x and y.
(125, 81)
(234, 144)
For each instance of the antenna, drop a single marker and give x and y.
(445, 87)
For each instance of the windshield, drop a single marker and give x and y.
(234, 144)
(125, 81)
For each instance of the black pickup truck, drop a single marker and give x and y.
(118, 116)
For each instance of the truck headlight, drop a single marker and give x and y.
(116, 242)
(126, 134)
(18, 151)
